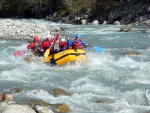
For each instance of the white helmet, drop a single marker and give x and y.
(49, 35)
(63, 40)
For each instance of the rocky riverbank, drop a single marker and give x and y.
(123, 12)
(9, 105)
(24, 30)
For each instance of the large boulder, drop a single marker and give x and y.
(39, 102)
(84, 22)
(17, 109)
(16, 90)
(63, 108)
(126, 28)
(58, 92)
(131, 53)
(2, 97)
(5, 97)
(43, 109)
(95, 22)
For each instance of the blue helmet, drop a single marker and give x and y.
(78, 35)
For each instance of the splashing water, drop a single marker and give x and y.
(109, 82)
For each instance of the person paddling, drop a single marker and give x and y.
(63, 44)
(35, 46)
(69, 43)
(78, 43)
(49, 43)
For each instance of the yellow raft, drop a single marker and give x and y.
(67, 56)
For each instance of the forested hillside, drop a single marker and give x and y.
(41, 8)
(62, 10)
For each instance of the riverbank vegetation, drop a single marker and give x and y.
(42, 8)
(54, 9)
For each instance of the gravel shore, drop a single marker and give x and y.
(24, 30)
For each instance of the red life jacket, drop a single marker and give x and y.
(47, 43)
(31, 45)
(35, 47)
(77, 45)
(63, 46)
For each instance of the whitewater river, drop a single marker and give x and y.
(109, 82)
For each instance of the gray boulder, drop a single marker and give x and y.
(17, 109)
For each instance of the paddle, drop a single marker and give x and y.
(18, 53)
(96, 48)
(47, 52)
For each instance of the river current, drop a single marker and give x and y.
(108, 82)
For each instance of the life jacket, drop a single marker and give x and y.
(35, 47)
(70, 43)
(46, 45)
(63, 46)
(77, 44)
(31, 45)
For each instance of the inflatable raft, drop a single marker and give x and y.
(67, 56)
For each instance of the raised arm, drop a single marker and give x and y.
(57, 37)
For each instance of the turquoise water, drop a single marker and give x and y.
(122, 82)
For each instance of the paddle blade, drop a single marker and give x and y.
(28, 58)
(98, 49)
(46, 54)
(18, 53)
